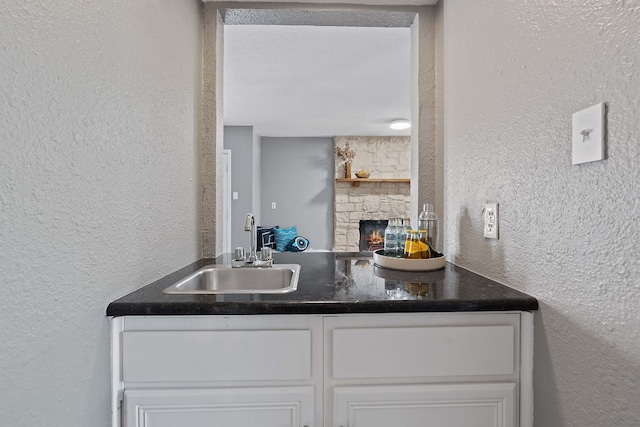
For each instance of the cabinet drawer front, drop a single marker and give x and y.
(152, 356)
(423, 351)
(477, 405)
(265, 407)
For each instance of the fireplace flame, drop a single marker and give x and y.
(372, 234)
(375, 238)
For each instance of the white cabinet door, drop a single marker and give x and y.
(441, 405)
(221, 407)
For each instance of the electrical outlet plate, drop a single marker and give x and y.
(587, 136)
(491, 220)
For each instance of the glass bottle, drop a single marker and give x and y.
(428, 220)
(391, 238)
(412, 245)
(425, 249)
(402, 236)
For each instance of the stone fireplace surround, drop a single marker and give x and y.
(383, 157)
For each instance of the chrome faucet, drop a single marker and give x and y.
(265, 260)
(250, 225)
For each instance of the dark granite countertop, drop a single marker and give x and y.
(334, 282)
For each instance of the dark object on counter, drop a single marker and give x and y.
(266, 237)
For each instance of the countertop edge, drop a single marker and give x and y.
(116, 309)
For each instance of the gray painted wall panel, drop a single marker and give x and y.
(257, 192)
(298, 174)
(239, 139)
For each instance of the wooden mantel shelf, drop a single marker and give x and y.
(356, 181)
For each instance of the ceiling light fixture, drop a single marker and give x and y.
(400, 124)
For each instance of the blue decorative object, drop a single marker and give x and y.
(298, 244)
(284, 236)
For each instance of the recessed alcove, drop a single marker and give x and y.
(425, 152)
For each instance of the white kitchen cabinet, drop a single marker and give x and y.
(351, 370)
(224, 371)
(445, 369)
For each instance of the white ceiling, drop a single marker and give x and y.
(292, 80)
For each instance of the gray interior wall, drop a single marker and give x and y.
(298, 175)
(515, 72)
(240, 140)
(257, 192)
(98, 187)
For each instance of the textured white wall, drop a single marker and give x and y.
(98, 141)
(426, 143)
(515, 71)
(212, 132)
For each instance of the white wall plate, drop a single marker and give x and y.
(587, 135)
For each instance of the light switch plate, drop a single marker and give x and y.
(587, 136)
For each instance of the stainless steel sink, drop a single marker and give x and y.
(223, 279)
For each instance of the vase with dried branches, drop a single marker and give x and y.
(346, 154)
